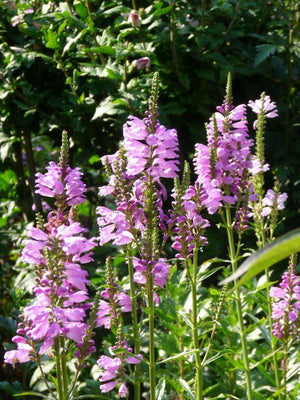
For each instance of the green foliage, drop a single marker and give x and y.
(271, 254)
(69, 65)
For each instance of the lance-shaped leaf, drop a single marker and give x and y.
(274, 252)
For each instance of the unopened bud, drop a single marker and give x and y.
(141, 63)
(134, 19)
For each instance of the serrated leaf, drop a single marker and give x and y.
(271, 254)
(263, 51)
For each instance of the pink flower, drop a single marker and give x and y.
(54, 184)
(134, 19)
(17, 356)
(141, 63)
(161, 147)
(264, 106)
(272, 201)
(123, 391)
(286, 306)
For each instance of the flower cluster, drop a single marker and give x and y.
(154, 153)
(271, 201)
(56, 249)
(149, 154)
(61, 183)
(221, 166)
(263, 106)
(187, 223)
(112, 368)
(109, 309)
(286, 306)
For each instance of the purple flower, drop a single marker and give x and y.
(112, 369)
(110, 308)
(57, 183)
(286, 306)
(154, 153)
(141, 63)
(134, 19)
(273, 201)
(57, 250)
(159, 269)
(265, 106)
(223, 165)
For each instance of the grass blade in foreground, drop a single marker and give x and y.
(274, 252)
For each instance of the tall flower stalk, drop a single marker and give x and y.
(57, 248)
(188, 228)
(222, 169)
(147, 154)
(285, 315)
(266, 205)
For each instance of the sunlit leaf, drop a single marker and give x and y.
(274, 252)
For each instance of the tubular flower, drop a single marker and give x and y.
(222, 166)
(113, 369)
(155, 153)
(273, 200)
(189, 225)
(57, 183)
(263, 106)
(57, 251)
(144, 156)
(109, 309)
(286, 306)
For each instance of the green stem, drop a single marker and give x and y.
(233, 259)
(58, 369)
(135, 326)
(151, 336)
(199, 368)
(63, 361)
(284, 367)
(44, 377)
(199, 372)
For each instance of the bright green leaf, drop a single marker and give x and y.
(187, 388)
(274, 252)
(160, 389)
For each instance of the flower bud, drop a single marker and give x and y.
(141, 63)
(134, 19)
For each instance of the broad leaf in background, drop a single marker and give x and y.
(274, 252)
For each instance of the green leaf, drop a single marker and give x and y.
(187, 388)
(160, 389)
(94, 159)
(81, 9)
(52, 41)
(263, 51)
(274, 252)
(33, 394)
(215, 357)
(180, 355)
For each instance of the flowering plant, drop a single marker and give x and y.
(156, 309)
